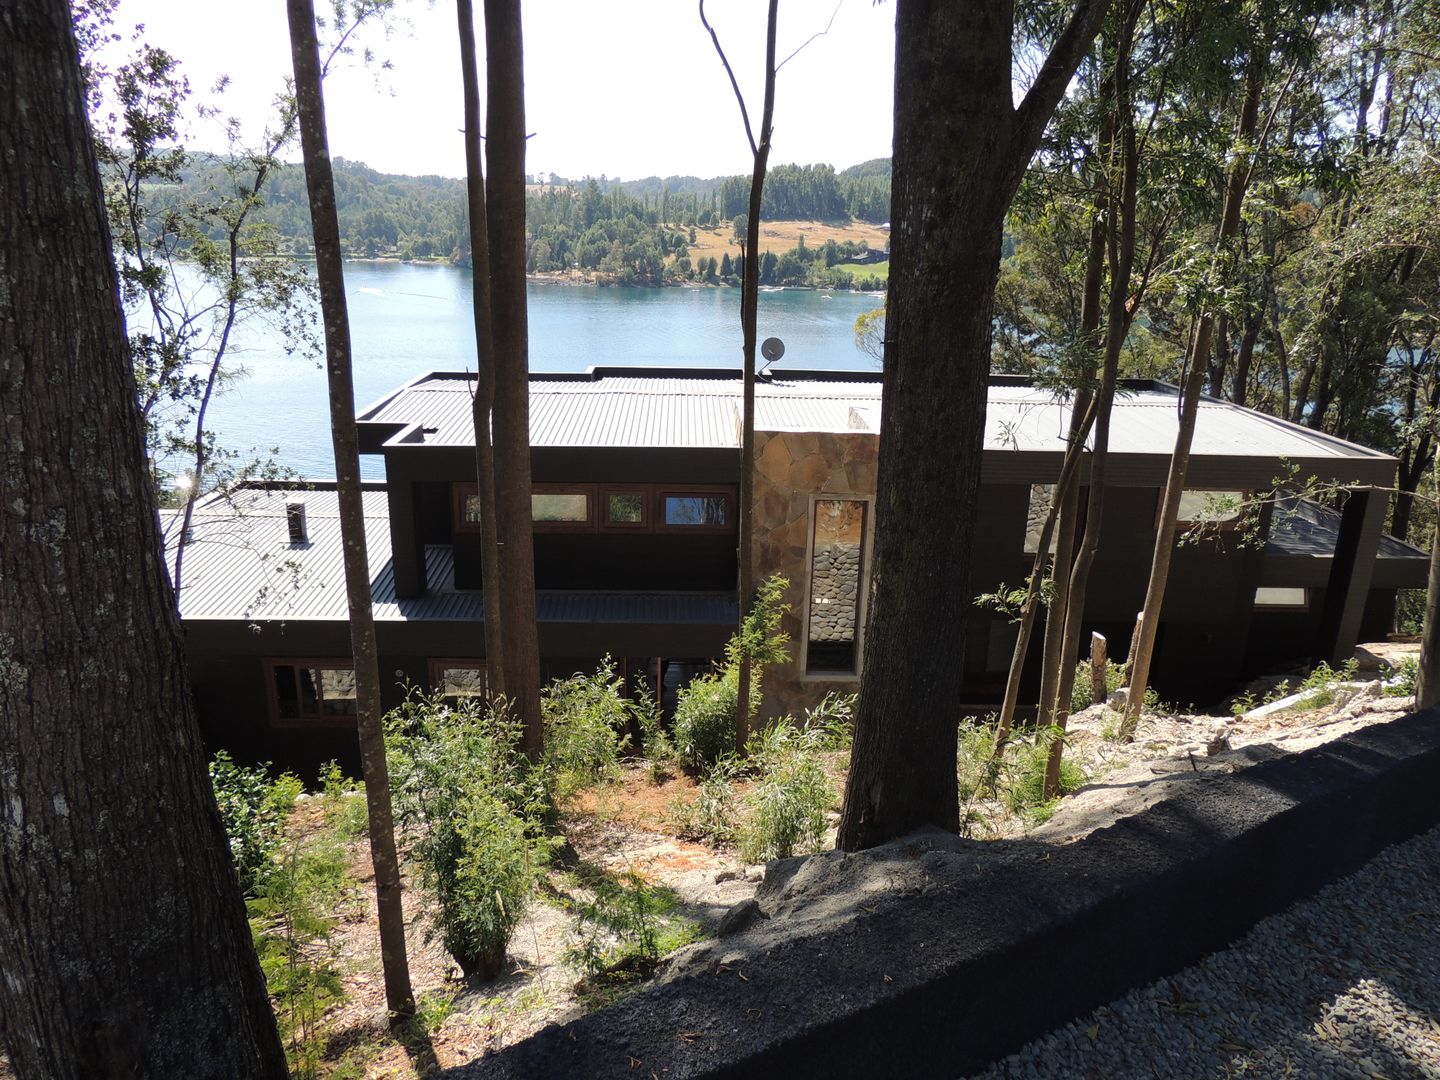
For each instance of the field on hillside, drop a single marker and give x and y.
(781, 236)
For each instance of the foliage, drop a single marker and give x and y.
(1082, 693)
(760, 636)
(1404, 679)
(1322, 683)
(1016, 776)
(1025, 791)
(254, 809)
(344, 802)
(1010, 602)
(472, 809)
(585, 718)
(624, 929)
(790, 803)
(644, 706)
(833, 721)
(712, 817)
(292, 921)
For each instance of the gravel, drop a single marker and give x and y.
(1346, 984)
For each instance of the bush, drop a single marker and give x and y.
(1404, 679)
(789, 806)
(1322, 683)
(1083, 692)
(644, 707)
(711, 817)
(834, 718)
(624, 930)
(1024, 787)
(705, 712)
(471, 808)
(254, 809)
(344, 802)
(585, 718)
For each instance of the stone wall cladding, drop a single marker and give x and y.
(790, 467)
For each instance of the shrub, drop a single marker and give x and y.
(705, 713)
(344, 802)
(1024, 786)
(625, 928)
(789, 806)
(644, 707)
(834, 718)
(585, 718)
(1403, 682)
(711, 817)
(1322, 683)
(254, 809)
(471, 807)
(1083, 692)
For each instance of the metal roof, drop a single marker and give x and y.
(700, 408)
(1303, 527)
(240, 564)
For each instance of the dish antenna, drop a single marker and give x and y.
(772, 348)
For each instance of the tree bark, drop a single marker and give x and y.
(505, 215)
(325, 225)
(124, 948)
(482, 405)
(961, 147)
(1427, 684)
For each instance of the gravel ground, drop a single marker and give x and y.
(1346, 984)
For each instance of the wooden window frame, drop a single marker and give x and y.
(670, 491)
(272, 699)
(588, 525)
(458, 493)
(1229, 525)
(438, 665)
(862, 590)
(648, 504)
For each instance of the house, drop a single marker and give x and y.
(636, 479)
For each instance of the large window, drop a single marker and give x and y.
(837, 575)
(1213, 508)
(458, 680)
(617, 507)
(703, 510)
(312, 691)
(552, 506)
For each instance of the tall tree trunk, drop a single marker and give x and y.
(1427, 685)
(749, 319)
(484, 400)
(325, 225)
(961, 147)
(124, 949)
(505, 213)
(1143, 648)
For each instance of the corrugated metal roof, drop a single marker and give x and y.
(1304, 527)
(241, 565)
(683, 409)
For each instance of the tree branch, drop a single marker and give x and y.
(1055, 74)
(812, 37)
(739, 97)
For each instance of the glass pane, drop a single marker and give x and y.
(694, 509)
(285, 694)
(835, 576)
(309, 680)
(626, 508)
(1039, 510)
(463, 682)
(1208, 507)
(337, 691)
(471, 512)
(570, 506)
(1275, 596)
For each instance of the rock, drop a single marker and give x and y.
(740, 918)
(729, 875)
(1219, 744)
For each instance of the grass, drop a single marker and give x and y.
(879, 270)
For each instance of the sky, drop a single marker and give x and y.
(628, 89)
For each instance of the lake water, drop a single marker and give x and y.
(406, 320)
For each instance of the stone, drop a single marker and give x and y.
(740, 918)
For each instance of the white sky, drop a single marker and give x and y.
(628, 88)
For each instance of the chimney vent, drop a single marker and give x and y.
(295, 518)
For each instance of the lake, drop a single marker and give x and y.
(409, 319)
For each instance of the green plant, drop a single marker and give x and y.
(254, 809)
(1024, 786)
(975, 765)
(344, 802)
(585, 718)
(1322, 683)
(1403, 680)
(644, 708)
(292, 922)
(704, 729)
(834, 718)
(624, 929)
(789, 806)
(760, 637)
(472, 809)
(1083, 690)
(711, 816)
(1242, 704)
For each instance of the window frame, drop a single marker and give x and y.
(459, 491)
(668, 491)
(648, 503)
(862, 588)
(328, 663)
(588, 490)
(438, 665)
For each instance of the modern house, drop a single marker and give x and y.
(636, 479)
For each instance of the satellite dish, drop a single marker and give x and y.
(772, 348)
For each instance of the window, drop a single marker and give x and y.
(555, 506)
(458, 680)
(312, 691)
(1217, 509)
(627, 508)
(466, 510)
(1035, 515)
(832, 629)
(1277, 598)
(709, 510)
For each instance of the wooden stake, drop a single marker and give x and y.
(1099, 662)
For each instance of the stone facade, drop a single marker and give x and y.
(793, 472)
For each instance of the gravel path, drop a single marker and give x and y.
(1346, 984)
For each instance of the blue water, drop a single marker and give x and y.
(406, 320)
